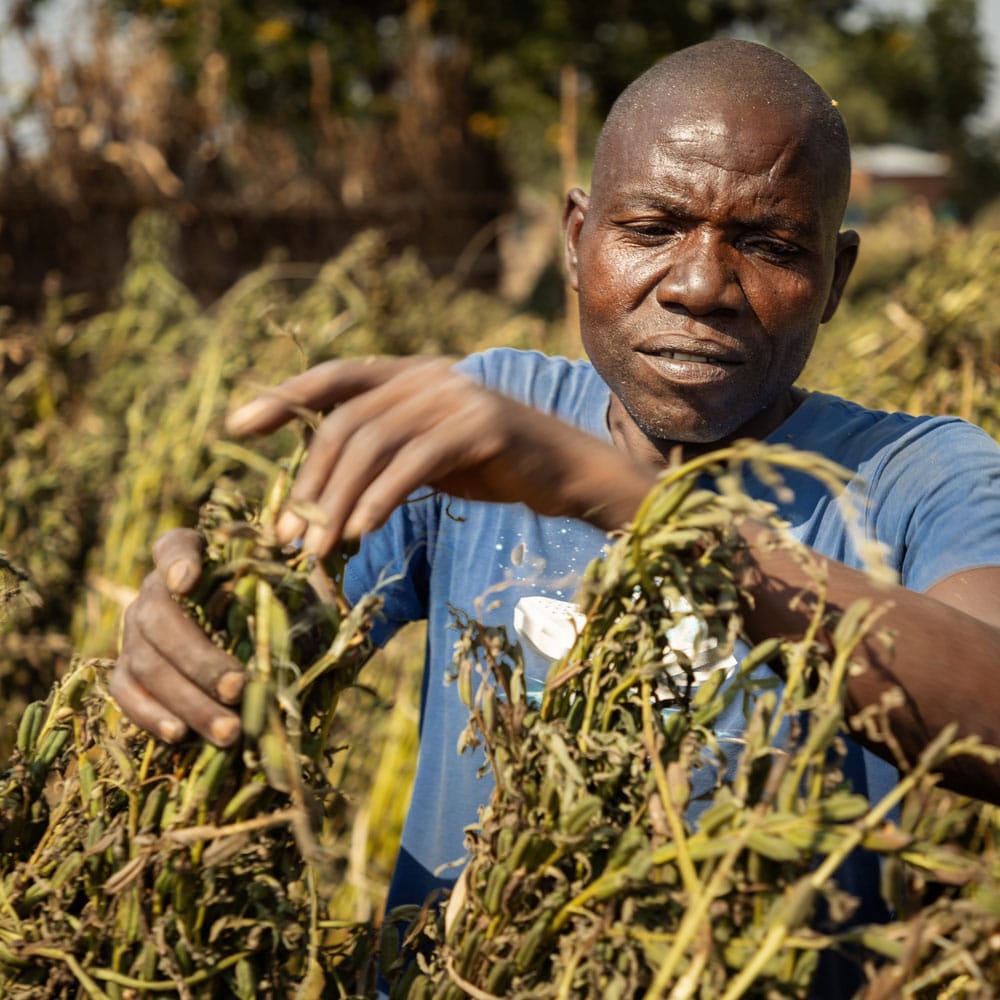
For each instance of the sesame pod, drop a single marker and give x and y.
(183, 954)
(524, 840)
(131, 916)
(489, 709)
(183, 886)
(88, 781)
(94, 833)
(276, 759)
(280, 632)
(517, 693)
(214, 774)
(29, 727)
(579, 817)
(238, 804)
(169, 814)
(245, 982)
(67, 869)
(36, 892)
(718, 814)
(50, 749)
(240, 606)
(9, 958)
(465, 681)
(256, 699)
(631, 840)
(842, 807)
(74, 689)
(153, 806)
(496, 879)
(148, 959)
(52, 746)
(504, 843)
(532, 941)
(771, 846)
(537, 851)
(761, 653)
(705, 519)
(470, 952)
(500, 976)
(163, 885)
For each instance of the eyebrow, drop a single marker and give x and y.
(676, 209)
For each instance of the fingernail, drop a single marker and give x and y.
(357, 525)
(230, 685)
(224, 730)
(290, 526)
(171, 730)
(179, 576)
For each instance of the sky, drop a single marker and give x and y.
(60, 21)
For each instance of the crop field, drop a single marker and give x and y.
(112, 433)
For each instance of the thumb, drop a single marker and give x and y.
(177, 555)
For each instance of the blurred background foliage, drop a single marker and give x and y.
(207, 195)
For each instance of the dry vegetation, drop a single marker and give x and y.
(112, 394)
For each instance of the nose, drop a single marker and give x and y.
(697, 276)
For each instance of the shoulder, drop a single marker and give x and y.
(928, 486)
(863, 437)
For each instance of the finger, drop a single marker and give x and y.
(146, 691)
(178, 555)
(318, 390)
(158, 630)
(144, 710)
(454, 450)
(355, 442)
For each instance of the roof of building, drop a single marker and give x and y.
(892, 159)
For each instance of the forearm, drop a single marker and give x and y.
(944, 662)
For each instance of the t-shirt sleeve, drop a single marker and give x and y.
(936, 499)
(393, 562)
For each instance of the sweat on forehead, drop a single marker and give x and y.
(729, 73)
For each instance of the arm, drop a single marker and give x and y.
(399, 424)
(941, 648)
(393, 425)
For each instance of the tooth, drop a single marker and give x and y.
(681, 356)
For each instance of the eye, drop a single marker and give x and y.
(772, 248)
(649, 230)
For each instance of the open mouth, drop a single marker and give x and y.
(690, 357)
(700, 359)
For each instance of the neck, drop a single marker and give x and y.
(661, 453)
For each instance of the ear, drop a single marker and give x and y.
(574, 212)
(847, 253)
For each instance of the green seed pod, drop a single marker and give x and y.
(67, 869)
(152, 808)
(242, 800)
(257, 699)
(532, 941)
(29, 727)
(471, 946)
(277, 761)
(500, 977)
(579, 817)
(244, 980)
(465, 681)
(496, 879)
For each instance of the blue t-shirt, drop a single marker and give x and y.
(922, 482)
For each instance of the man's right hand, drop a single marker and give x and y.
(169, 676)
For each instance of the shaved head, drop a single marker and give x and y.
(747, 80)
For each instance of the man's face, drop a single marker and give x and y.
(705, 261)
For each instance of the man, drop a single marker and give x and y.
(706, 257)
